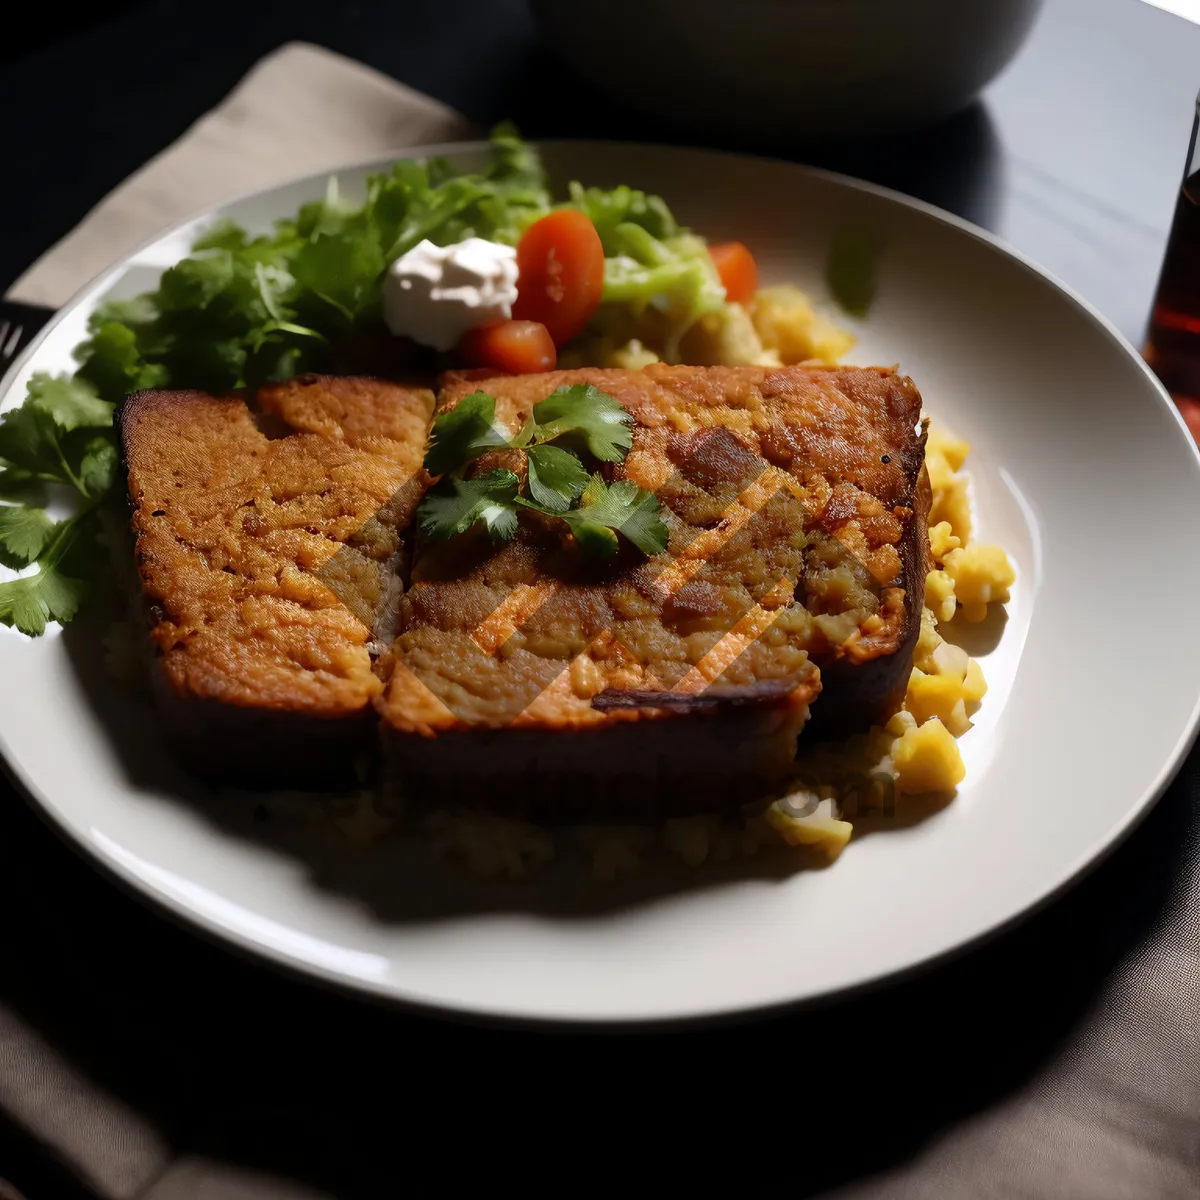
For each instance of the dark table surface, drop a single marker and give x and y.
(179, 1047)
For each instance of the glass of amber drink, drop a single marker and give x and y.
(1173, 339)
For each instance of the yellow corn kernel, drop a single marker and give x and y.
(940, 696)
(939, 595)
(927, 642)
(974, 685)
(981, 574)
(957, 720)
(941, 473)
(953, 449)
(942, 540)
(949, 659)
(952, 504)
(825, 833)
(927, 759)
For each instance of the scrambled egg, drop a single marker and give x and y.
(789, 327)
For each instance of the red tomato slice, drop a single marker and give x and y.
(516, 347)
(737, 269)
(561, 273)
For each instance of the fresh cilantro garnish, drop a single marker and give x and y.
(557, 477)
(604, 511)
(238, 311)
(454, 505)
(463, 433)
(587, 413)
(54, 438)
(69, 403)
(24, 533)
(60, 584)
(112, 361)
(62, 435)
(98, 461)
(241, 310)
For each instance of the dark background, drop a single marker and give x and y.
(1074, 155)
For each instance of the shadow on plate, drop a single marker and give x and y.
(908, 812)
(977, 638)
(395, 876)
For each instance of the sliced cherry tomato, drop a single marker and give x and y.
(737, 269)
(561, 273)
(517, 347)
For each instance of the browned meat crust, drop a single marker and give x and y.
(526, 676)
(264, 675)
(797, 538)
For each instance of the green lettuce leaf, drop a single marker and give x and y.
(609, 210)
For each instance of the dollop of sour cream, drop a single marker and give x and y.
(435, 294)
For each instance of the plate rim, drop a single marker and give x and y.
(378, 992)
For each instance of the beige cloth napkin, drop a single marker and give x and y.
(302, 109)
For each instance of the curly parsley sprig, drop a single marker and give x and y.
(584, 420)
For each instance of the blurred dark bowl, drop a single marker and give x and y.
(775, 70)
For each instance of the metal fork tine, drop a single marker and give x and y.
(19, 325)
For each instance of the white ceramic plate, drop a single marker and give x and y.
(1082, 471)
